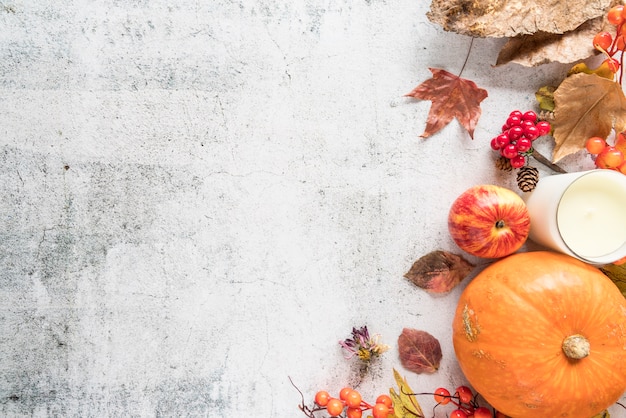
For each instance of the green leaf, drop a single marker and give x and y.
(405, 404)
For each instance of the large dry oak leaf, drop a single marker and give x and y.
(509, 18)
(586, 105)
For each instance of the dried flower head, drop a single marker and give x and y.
(363, 346)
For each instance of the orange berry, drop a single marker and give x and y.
(343, 393)
(614, 15)
(384, 399)
(354, 413)
(595, 145)
(353, 399)
(334, 407)
(610, 157)
(322, 397)
(380, 410)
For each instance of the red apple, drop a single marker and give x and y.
(489, 221)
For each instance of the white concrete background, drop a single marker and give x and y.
(200, 198)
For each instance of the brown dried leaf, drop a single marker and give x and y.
(509, 18)
(586, 105)
(451, 96)
(419, 351)
(439, 271)
(617, 273)
(542, 47)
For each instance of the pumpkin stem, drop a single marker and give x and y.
(576, 347)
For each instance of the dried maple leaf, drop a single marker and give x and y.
(419, 351)
(439, 271)
(586, 105)
(451, 96)
(509, 18)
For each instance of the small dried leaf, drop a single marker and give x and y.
(543, 47)
(509, 18)
(419, 351)
(451, 96)
(405, 404)
(439, 271)
(586, 105)
(617, 274)
(545, 98)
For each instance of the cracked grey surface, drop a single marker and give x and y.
(199, 199)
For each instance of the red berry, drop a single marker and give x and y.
(530, 116)
(543, 127)
(494, 144)
(514, 121)
(322, 397)
(516, 133)
(518, 161)
(602, 41)
(516, 113)
(524, 144)
(465, 394)
(482, 412)
(509, 151)
(442, 396)
(503, 139)
(457, 413)
(531, 132)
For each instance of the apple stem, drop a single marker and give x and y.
(500, 224)
(545, 161)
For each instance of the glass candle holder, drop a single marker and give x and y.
(581, 214)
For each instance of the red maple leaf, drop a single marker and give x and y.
(451, 96)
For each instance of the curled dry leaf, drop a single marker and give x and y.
(586, 105)
(543, 47)
(419, 351)
(439, 271)
(509, 18)
(617, 273)
(451, 96)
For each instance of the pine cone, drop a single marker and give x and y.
(527, 178)
(503, 164)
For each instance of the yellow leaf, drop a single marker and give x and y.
(604, 414)
(603, 70)
(545, 98)
(586, 105)
(405, 404)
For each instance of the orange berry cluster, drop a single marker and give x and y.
(609, 44)
(607, 156)
(352, 402)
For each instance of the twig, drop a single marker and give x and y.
(469, 50)
(543, 160)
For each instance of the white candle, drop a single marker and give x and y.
(581, 214)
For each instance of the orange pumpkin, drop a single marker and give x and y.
(541, 334)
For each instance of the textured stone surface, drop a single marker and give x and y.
(201, 198)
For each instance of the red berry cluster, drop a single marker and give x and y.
(515, 142)
(609, 44)
(465, 403)
(352, 402)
